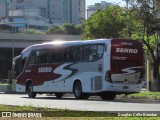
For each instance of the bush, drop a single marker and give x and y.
(32, 31)
(56, 30)
(67, 29)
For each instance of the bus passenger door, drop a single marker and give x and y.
(32, 68)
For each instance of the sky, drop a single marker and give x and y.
(92, 2)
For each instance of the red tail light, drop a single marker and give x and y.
(108, 76)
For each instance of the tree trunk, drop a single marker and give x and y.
(156, 76)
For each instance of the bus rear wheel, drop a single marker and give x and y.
(108, 96)
(30, 92)
(59, 95)
(77, 90)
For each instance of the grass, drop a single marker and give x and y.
(145, 95)
(50, 114)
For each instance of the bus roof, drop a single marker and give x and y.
(70, 43)
(65, 43)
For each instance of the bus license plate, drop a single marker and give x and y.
(125, 87)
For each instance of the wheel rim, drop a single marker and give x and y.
(78, 90)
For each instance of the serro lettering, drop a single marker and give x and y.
(45, 69)
(126, 50)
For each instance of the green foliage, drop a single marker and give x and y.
(79, 29)
(144, 14)
(32, 31)
(151, 40)
(105, 23)
(146, 95)
(56, 30)
(69, 28)
(66, 29)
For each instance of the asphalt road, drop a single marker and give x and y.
(68, 102)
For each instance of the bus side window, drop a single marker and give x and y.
(79, 53)
(60, 55)
(48, 56)
(93, 53)
(44, 56)
(66, 55)
(72, 53)
(100, 51)
(54, 56)
(86, 53)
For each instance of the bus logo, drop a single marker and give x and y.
(44, 69)
(126, 50)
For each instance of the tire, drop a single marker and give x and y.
(108, 96)
(30, 92)
(77, 90)
(59, 95)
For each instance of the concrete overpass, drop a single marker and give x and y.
(12, 44)
(25, 40)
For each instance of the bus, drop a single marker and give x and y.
(103, 67)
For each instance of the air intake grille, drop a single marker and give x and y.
(98, 82)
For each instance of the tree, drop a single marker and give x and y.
(105, 23)
(139, 22)
(79, 29)
(145, 11)
(56, 30)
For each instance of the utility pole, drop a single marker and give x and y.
(12, 71)
(127, 20)
(6, 5)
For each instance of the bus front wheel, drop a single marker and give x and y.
(30, 92)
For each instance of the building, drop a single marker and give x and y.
(41, 14)
(98, 6)
(3, 7)
(3, 11)
(59, 11)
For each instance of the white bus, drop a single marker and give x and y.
(104, 67)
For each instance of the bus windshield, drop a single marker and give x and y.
(16, 64)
